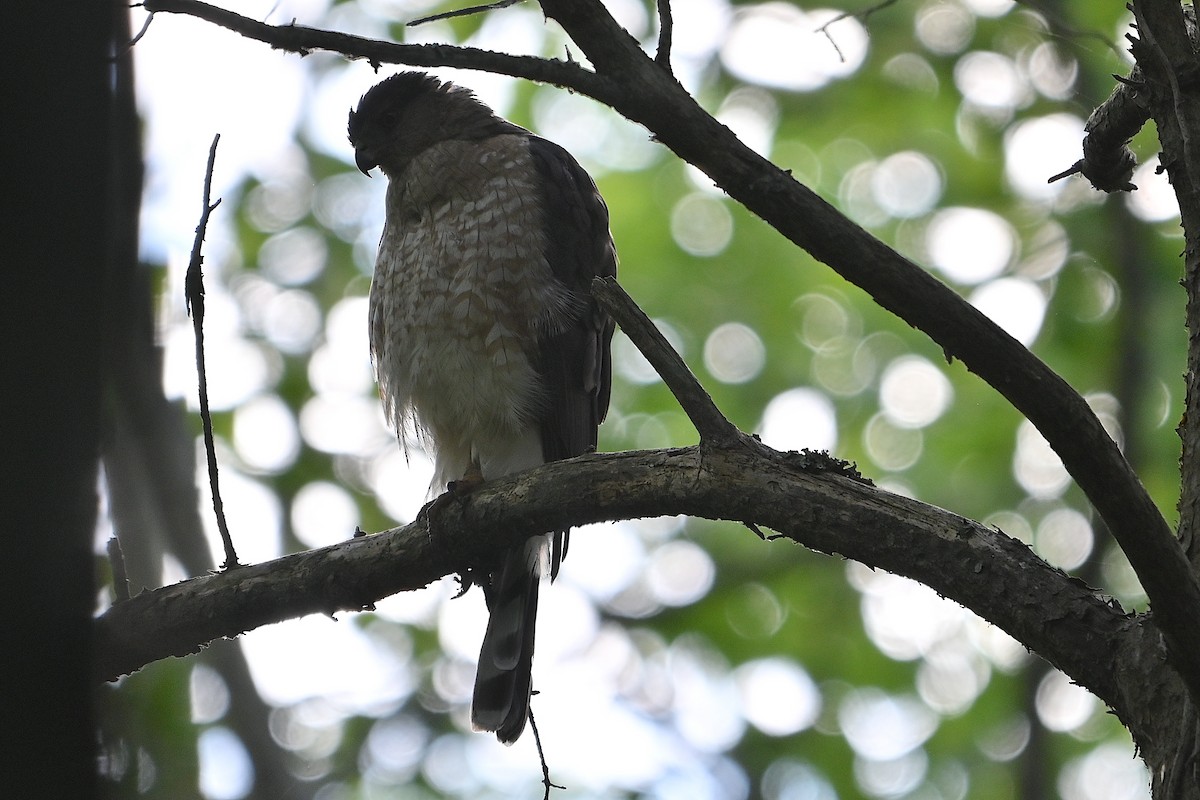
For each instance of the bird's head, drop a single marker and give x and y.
(410, 111)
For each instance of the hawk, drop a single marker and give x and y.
(484, 335)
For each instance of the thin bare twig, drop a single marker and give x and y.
(194, 295)
(138, 37)
(862, 16)
(463, 12)
(1059, 27)
(537, 740)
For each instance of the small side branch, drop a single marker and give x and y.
(1107, 160)
(138, 37)
(194, 294)
(302, 39)
(666, 30)
(710, 423)
(464, 12)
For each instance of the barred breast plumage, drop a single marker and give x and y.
(461, 293)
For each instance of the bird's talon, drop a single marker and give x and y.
(471, 480)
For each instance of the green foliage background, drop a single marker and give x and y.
(772, 600)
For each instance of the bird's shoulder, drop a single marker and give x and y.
(579, 245)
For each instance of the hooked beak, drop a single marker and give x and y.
(365, 161)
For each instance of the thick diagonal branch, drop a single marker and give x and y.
(640, 91)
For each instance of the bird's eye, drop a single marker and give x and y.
(389, 118)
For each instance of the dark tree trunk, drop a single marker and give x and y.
(54, 244)
(1164, 45)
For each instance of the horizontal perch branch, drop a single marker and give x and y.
(805, 496)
